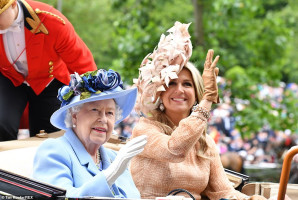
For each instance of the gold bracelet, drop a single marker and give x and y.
(201, 110)
(199, 116)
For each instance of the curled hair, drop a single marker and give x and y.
(68, 117)
(76, 109)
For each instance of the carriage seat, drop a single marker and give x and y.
(19, 161)
(17, 156)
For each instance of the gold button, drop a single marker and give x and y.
(51, 63)
(51, 76)
(52, 67)
(51, 71)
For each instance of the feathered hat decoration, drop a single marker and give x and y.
(162, 65)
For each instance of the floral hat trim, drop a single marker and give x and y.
(164, 63)
(89, 83)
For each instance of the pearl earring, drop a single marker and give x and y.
(74, 126)
(161, 106)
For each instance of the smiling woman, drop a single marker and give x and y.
(94, 122)
(91, 105)
(175, 100)
(179, 98)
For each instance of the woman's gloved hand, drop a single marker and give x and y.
(209, 78)
(125, 154)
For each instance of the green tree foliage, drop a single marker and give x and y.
(256, 41)
(138, 31)
(261, 54)
(93, 21)
(253, 38)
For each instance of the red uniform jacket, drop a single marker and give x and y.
(53, 48)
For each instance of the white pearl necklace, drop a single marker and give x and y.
(98, 158)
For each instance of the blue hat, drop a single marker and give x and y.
(94, 86)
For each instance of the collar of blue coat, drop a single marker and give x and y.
(84, 157)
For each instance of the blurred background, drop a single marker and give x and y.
(258, 46)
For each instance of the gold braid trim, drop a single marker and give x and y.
(49, 13)
(35, 22)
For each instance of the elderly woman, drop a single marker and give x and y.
(91, 105)
(175, 101)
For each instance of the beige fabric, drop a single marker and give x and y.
(17, 155)
(28, 142)
(19, 161)
(235, 180)
(171, 162)
(113, 143)
(268, 189)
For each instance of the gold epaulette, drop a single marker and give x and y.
(49, 13)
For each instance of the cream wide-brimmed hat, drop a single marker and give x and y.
(4, 4)
(94, 86)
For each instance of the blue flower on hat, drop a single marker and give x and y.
(88, 83)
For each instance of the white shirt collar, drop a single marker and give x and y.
(20, 17)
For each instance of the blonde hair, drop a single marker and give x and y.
(167, 125)
(197, 79)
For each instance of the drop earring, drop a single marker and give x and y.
(195, 103)
(161, 106)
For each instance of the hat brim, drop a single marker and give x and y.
(125, 99)
(6, 6)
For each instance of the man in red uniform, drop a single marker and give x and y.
(39, 49)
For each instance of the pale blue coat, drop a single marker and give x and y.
(64, 162)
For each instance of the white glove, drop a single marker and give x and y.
(125, 154)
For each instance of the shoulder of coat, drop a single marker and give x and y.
(38, 11)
